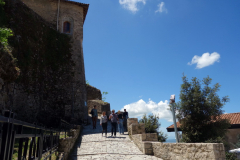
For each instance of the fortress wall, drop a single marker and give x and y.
(68, 12)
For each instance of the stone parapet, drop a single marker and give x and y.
(66, 144)
(143, 142)
(147, 148)
(100, 106)
(149, 137)
(189, 151)
(137, 139)
(136, 128)
(131, 121)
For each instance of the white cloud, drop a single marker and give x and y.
(131, 4)
(139, 108)
(161, 8)
(205, 60)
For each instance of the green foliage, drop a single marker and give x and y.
(104, 94)
(230, 156)
(87, 82)
(162, 137)
(199, 109)
(152, 125)
(237, 144)
(219, 140)
(2, 3)
(4, 34)
(238, 141)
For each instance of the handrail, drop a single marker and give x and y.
(43, 141)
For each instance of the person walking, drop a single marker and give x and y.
(94, 116)
(120, 122)
(125, 117)
(114, 118)
(103, 123)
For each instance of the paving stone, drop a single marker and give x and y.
(93, 146)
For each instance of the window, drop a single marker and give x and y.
(66, 27)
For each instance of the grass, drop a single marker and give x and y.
(62, 135)
(15, 151)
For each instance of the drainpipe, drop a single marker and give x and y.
(58, 13)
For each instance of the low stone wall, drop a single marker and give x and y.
(131, 121)
(149, 137)
(137, 139)
(143, 142)
(66, 144)
(148, 144)
(189, 151)
(136, 128)
(147, 148)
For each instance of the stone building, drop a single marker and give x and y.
(68, 18)
(233, 130)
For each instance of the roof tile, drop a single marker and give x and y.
(234, 118)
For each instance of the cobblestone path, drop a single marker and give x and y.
(92, 145)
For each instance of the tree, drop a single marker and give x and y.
(152, 125)
(104, 94)
(199, 111)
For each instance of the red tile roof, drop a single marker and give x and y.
(234, 119)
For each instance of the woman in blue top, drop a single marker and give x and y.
(94, 116)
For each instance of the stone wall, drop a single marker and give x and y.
(148, 144)
(94, 97)
(66, 144)
(131, 120)
(93, 93)
(142, 141)
(137, 139)
(75, 88)
(136, 128)
(189, 151)
(100, 106)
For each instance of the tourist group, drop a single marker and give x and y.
(117, 119)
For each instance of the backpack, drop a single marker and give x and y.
(91, 112)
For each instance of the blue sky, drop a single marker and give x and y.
(137, 50)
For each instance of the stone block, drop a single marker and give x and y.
(136, 128)
(147, 148)
(131, 120)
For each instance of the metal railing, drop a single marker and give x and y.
(34, 142)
